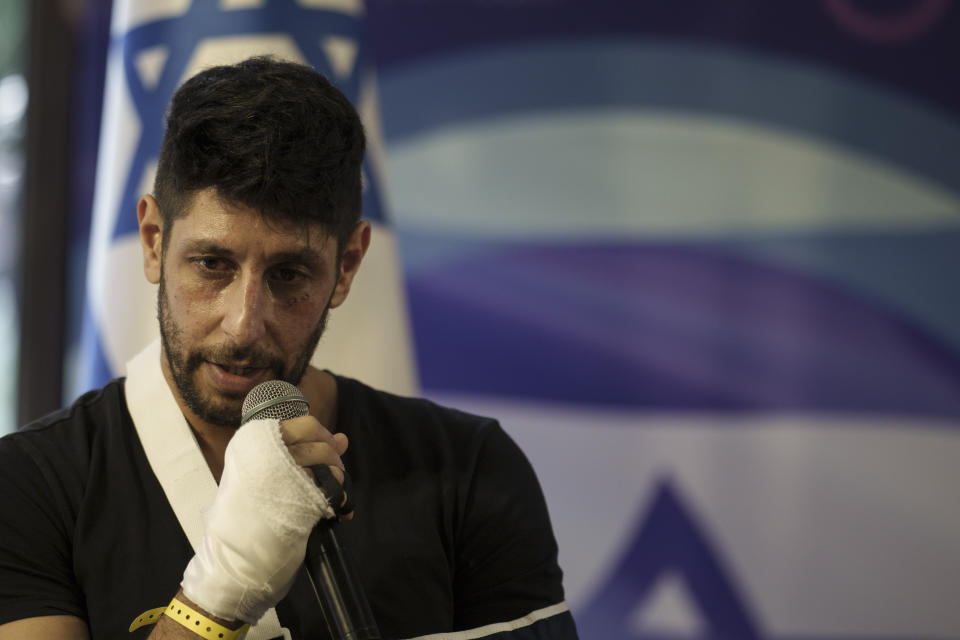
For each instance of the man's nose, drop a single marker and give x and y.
(244, 319)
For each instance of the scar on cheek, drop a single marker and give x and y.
(303, 298)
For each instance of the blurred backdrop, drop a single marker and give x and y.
(13, 108)
(700, 259)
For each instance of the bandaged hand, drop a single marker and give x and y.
(257, 527)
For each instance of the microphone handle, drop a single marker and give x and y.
(342, 600)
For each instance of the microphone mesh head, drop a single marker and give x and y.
(274, 399)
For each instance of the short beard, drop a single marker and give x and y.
(226, 409)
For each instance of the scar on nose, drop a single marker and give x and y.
(303, 298)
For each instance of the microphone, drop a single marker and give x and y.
(341, 598)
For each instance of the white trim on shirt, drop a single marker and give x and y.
(499, 627)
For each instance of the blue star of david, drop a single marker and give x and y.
(668, 539)
(306, 27)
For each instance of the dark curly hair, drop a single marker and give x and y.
(271, 135)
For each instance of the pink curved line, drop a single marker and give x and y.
(898, 27)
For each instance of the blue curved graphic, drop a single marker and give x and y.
(670, 327)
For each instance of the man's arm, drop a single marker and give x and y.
(219, 573)
(47, 627)
(73, 628)
(38, 595)
(308, 444)
(507, 582)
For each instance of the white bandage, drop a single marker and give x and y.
(256, 529)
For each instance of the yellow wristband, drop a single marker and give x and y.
(147, 617)
(201, 624)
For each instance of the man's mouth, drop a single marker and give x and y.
(235, 371)
(239, 371)
(232, 374)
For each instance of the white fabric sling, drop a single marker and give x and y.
(175, 457)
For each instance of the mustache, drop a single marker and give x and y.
(251, 356)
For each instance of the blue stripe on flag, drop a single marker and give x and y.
(95, 370)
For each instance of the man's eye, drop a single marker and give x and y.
(287, 275)
(211, 263)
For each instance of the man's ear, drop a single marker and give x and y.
(353, 252)
(151, 237)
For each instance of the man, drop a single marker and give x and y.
(128, 514)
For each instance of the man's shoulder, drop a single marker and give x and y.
(416, 431)
(361, 400)
(72, 429)
(96, 403)
(49, 463)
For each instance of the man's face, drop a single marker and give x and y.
(241, 300)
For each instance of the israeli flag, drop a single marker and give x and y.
(155, 46)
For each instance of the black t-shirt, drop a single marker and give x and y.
(451, 531)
